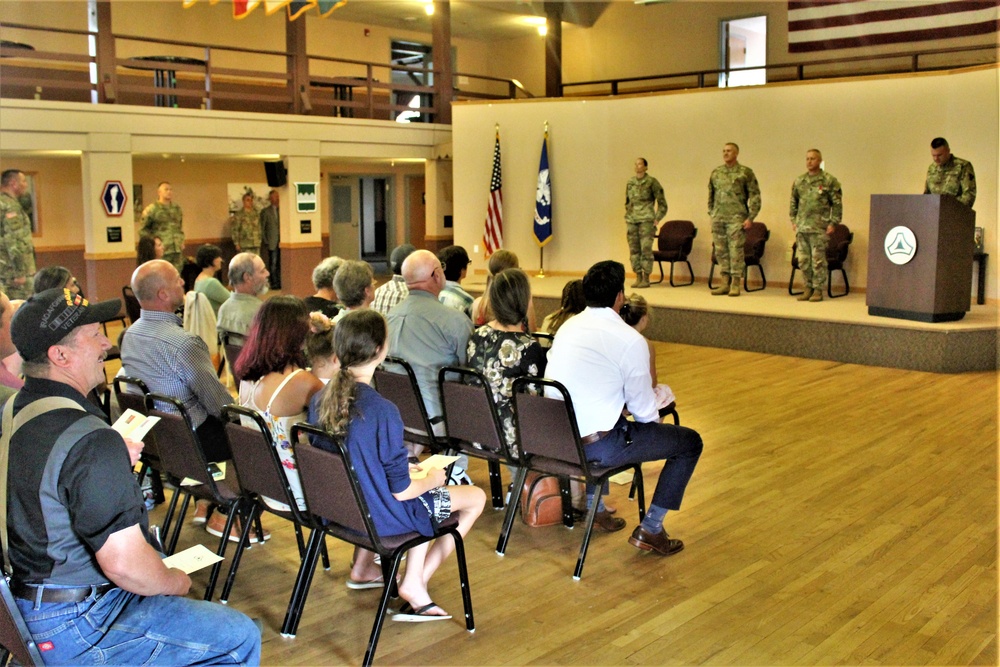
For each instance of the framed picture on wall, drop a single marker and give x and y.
(30, 203)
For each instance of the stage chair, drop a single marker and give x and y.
(753, 252)
(673, 244)
(549, 442)
(473, 425)
(132, 307)
(836, 254)
(401, 389)
(183, 457)
(14, 636)
(232, 345)
(260, 475)
(334, 498)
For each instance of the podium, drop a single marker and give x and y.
(920, 251)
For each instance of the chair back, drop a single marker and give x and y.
(255, 457)
(756, 239)
(233, 345)
(180, 450)
(329, 483)
(130, 392)
(402, 390)
(675, 240)
(132, 307)
(14, 635)
(836, 250)
(546, 425)
(470, 414)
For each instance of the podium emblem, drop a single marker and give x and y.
(900, 245)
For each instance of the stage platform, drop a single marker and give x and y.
(772, 322)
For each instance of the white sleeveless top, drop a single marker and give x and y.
(280, 427)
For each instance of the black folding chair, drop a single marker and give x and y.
(334, 498)
(130, 392)
(401, 389)
(14, 636)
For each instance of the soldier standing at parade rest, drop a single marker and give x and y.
(733, 203)
(816, 206)
(245, 227)
(270, 237)
(645, 205)
(950, 174)
(164, 219)
(17, 250)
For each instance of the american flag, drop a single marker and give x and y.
(493, 234)
(840, 24)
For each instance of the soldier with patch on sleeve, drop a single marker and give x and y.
(164, 219)
(17, 250)
(733, 203)
(816, 206)
(950, 174)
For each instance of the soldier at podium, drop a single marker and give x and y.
(950, 175)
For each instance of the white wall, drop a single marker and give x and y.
(874, 133)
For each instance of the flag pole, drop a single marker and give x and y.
(541, 249)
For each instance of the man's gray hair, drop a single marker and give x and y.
(325, 271)
(351, 280)
(241, 268)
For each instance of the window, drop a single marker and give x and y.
(743, 43)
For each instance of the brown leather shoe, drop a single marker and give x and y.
(660, 542)
(608, 522)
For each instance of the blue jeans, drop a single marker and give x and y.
(632, 442)
(123, 628)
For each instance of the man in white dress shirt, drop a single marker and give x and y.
(604, 364)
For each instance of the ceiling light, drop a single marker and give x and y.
(543, 30)
(429, 8)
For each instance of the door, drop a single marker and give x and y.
(417, 207)
(345, 217)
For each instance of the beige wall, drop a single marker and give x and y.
(874, 134)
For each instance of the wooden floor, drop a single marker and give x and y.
(839, 515)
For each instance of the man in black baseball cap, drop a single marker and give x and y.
(85, 577)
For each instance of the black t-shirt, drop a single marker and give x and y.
(325, 306)
(64, 503)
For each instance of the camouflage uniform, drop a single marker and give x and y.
(816, 203)
(733, 196)
(954, 177)
(641, 195)
(166, 221)
(245, 229)
(17, 251)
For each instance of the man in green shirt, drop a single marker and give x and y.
(164, 219)
(950, 174)
(815, 207)
(645, 205)
(733, 203)
(17, 250)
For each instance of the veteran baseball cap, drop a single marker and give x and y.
(398, 255)
(48, 316)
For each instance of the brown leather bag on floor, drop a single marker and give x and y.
(541, 502)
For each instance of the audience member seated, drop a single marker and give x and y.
(499, 261)
(209, 260)
(149, 247)
(171, 361)
(501, 350)
(248, 278)
(353, 284)
(56, 276)
(373, 434)
(319, 348)
(393, 291)
(325, 298)
(91, 588)
(604, 364)
(428, 334)
(572, 304)
(275, 382)
(635, 313)
(455, 262)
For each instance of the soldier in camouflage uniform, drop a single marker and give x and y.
(245, 227)
(17, 250)
(733, 203)
(645, 205)
(816, 206)
(165, 220)
(950, 175)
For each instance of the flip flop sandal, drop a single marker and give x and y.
(407, 614)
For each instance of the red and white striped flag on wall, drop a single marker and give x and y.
(842, 24)
(493, 234)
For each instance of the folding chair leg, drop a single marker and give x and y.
(168, 519)
(591, 515)
(303, 580)
(463, 577)
(567, 501)
(383, 604)
(791, 281)
(238, 556)
(234, 511)
(512, 506)
(325, 554)
(496, 484)
(638, 481)
(300, 542)
(180, 523)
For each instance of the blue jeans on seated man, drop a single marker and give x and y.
(633, 442)
(121, 628)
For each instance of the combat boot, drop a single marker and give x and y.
(805, 295)
(817, 295)
(638, 279)
(643, 280)
(723, 288)
(734, 288)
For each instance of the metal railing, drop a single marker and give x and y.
(889, 63)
